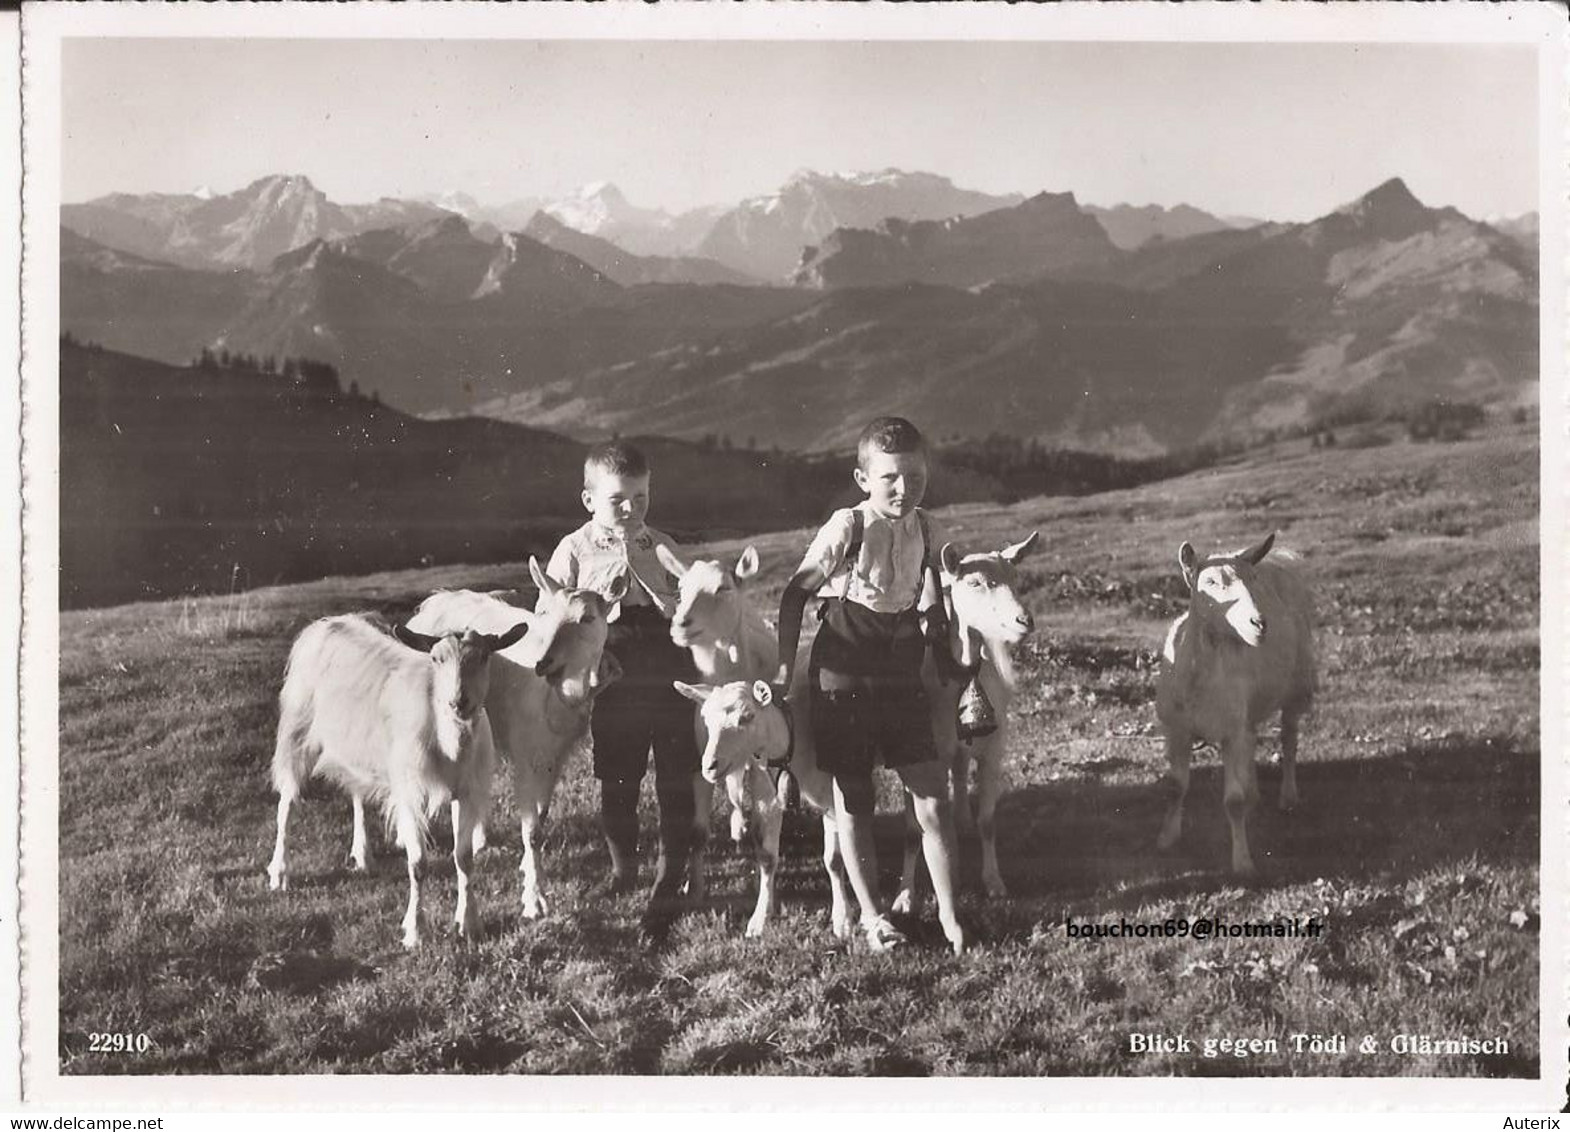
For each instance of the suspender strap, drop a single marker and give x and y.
(858, 527)
(926, 557)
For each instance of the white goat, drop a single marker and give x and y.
(1242, 652)
(390, 724)
(540, 701)
(745, 729)
(729, 640)
(986, 618)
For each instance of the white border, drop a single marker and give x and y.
(44, 28)
(10, 544)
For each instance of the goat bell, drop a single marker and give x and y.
(977, 717)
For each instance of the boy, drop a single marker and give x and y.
(641, 709)
(864, 675)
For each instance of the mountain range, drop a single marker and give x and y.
(1132, 330)
(1377, 304)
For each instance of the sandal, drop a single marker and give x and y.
(882, 935)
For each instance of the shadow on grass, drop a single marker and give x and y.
(1391, 816)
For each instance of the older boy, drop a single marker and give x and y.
(642, 709)
(873, 562)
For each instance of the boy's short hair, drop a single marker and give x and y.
(888, 434)
(616, 457)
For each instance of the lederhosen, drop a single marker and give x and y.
(864, 673)
(642, 710)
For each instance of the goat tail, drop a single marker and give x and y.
(296, 752)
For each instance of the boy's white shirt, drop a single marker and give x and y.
(887, 571)
(593, 557)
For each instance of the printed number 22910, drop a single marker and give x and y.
(119, 1043)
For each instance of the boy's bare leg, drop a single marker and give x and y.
(860, 854)
(928, 786)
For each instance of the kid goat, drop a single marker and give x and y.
(744, 731)
(387, 722)
(986, 619)
(538, 710)
(1242, 652)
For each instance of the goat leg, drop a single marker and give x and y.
(1180, 749)
(989, 784)
(465, 821)
(278, 869)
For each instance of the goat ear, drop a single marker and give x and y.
(1188, 558)
(618, 588)
(548, 586)
(949, 557)
(1256, 553)
(419, 642)
(697, 693)
(509, 638)
(747, 564)
(1012, 554)
(669, 560)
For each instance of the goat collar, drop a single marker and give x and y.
(779, 763)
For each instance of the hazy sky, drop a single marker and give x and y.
(1278, 131)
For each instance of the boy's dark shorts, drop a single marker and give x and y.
(642, 710)
(855, 730)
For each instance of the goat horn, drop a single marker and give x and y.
(419, 642)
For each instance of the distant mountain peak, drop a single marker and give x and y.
(1392, 198)
(297, 181)
(1045, 199)
(601, 190)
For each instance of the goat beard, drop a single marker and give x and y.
(738, 786)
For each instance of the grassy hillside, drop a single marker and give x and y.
(180, 479)
(1417, 841)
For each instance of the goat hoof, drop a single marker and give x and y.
(995, 887)
(956, 937)
(1288, 801)
(905, 904)
(535, 907)
(357, 865)
(277, 882)
(841, 925)
(755, 927)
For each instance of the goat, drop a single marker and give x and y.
(540, 702)
(729, 640)
(391, 725)
(986, 618)
(1242, 652)
(745, 729)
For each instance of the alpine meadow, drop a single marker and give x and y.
(1155, 320)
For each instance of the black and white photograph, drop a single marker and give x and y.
(656, 542)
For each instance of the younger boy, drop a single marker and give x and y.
(864, 675)
(642, 709)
